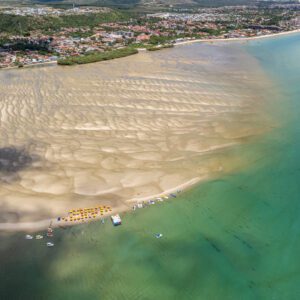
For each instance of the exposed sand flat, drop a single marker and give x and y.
(127, 129)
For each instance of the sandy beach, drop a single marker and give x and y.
(120, 132)
(274, 35)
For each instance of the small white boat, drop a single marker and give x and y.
(38, 237)
(158, 235)
(28, 237)
(116, 220)
(50, 244)
(140, 205)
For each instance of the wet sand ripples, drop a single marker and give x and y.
(125, 129)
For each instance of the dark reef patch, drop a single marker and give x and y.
(13, 160)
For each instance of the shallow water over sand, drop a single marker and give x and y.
(125, 129)
(235, 237)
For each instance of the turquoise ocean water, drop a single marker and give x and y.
(237, 237)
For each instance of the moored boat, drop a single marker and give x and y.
(116, 220)
(49, 232)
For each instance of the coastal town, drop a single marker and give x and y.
(25, 47)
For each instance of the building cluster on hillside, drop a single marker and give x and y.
(194, 17)
(237, 16)
(50, 11)
(212, 23)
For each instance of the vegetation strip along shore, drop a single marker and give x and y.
(97, 56)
